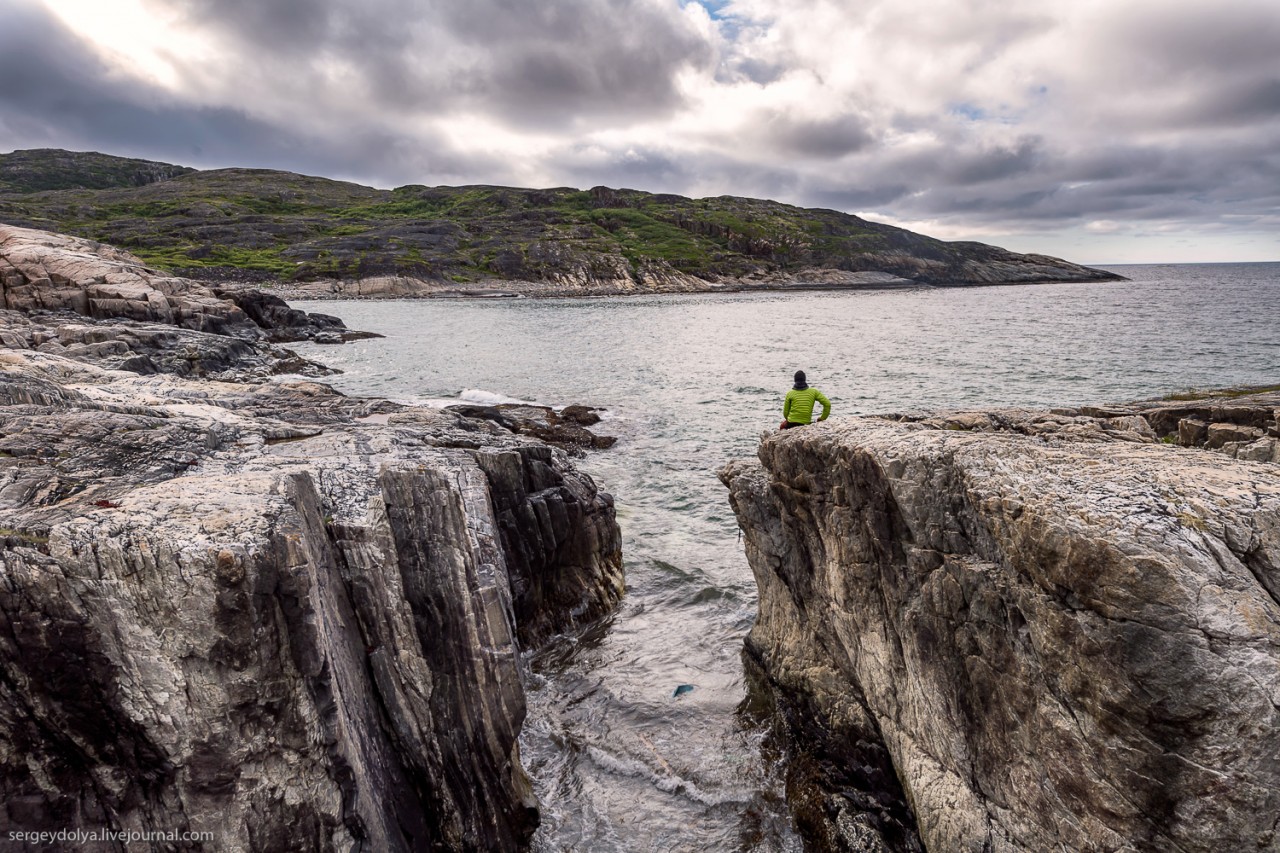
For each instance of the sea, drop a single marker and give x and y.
(640, 735)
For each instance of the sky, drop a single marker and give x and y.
(1102, 131)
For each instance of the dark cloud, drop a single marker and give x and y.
(825, 139)
(994, 164)
(54, 92)
(635, 168)
(856, 198)
(1192, 182)
(526, 63)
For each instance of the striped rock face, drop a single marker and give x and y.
(1019, 631)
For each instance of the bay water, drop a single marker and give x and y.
(688, 382)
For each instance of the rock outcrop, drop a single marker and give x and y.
(288, 618)
(566, 429)
(1023, 631)
(42, 271)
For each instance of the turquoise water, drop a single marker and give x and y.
(689, 382)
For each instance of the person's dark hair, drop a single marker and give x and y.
(800, 383)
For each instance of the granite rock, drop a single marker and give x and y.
(270, 612)
(43, 271)
(1022, 631)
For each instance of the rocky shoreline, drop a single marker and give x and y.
(261, 609)
(400, 287)
(1012, 630)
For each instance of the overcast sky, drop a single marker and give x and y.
(1097, 130)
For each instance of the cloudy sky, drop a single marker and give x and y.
(1098, 130)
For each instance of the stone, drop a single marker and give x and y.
(582, 415)
(1192, 432)
(270, 613)
(262, 610)
(43, 271)
(1222, 433)
(543, 422)
(1262, 450)
(1038, 635)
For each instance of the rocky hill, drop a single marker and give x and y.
(1025, 631)
(269, 226)
(42, 169)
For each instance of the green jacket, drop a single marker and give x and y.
(798, 407)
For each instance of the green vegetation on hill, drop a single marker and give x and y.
(253, 223)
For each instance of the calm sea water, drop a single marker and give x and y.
(689, 382)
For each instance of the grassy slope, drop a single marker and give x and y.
(280, 225)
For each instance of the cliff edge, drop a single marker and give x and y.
(260, 610)
(1025, 631)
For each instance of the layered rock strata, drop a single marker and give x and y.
(268, 612)
(1024, 631)
(274, 613)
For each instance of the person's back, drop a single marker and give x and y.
(797, 408)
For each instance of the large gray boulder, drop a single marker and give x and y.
(41, 271)
(1022, 631)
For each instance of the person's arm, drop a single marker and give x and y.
(826, 406)
(786, 406)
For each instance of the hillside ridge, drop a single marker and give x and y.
(271, 226)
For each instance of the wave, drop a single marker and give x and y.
(491, 398)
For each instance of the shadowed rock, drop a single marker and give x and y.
(284, 616)
(269, 612)
(566, 429)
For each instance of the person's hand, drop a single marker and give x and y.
(782, 425)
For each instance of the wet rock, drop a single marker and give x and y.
(563, 429)
(1032, 633)
(583, 415)
(284, 324)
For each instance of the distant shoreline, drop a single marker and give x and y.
(381, 290)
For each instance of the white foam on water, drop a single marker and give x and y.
(668, 783)
(490, 398)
